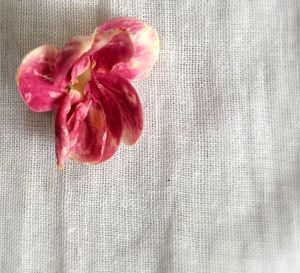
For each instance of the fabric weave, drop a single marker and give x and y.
(212, 186)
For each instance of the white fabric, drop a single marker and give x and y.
(213, 184)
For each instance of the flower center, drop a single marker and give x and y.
(82, 80)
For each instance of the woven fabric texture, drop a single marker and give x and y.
(212, 186)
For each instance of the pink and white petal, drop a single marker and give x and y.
(101, 134)
(74, 56)
(90, 142)
(35, 79)
(68, 120)
(119, 49)
(84, 131)
(79, 67)
(69, 54)
(146, 47)
(96, 143)
(101, 39)
(128, 101)
(114, 120)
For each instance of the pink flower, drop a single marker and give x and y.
(87, 84)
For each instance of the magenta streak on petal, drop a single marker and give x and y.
(35, 82)
(128, 101)
(76, 52)
(113, 119)
(101, 39)
(146, 47)
(75, 121)
(70, 114)
(100, 136)
(91, 141)
(119, 49)
(69, 54)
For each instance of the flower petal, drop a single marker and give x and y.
(68, 119)
(93, 134)
(69, 54)
(146, 47)
(87, 130)
(102, 130)
(119, 49)
(129, 103)
(74, 56)
(35, 79)
(79, 68)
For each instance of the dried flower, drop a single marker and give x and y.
(87, 84)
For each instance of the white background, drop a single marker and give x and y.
(212, 186)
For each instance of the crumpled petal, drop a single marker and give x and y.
(68, 123)
(102, 130)
(146, 47)
(74, 56)
(79, 68)
(35, 79)
(119, 49)
(89, 128)
(69, 54)
(91, 140)
(128, 101)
